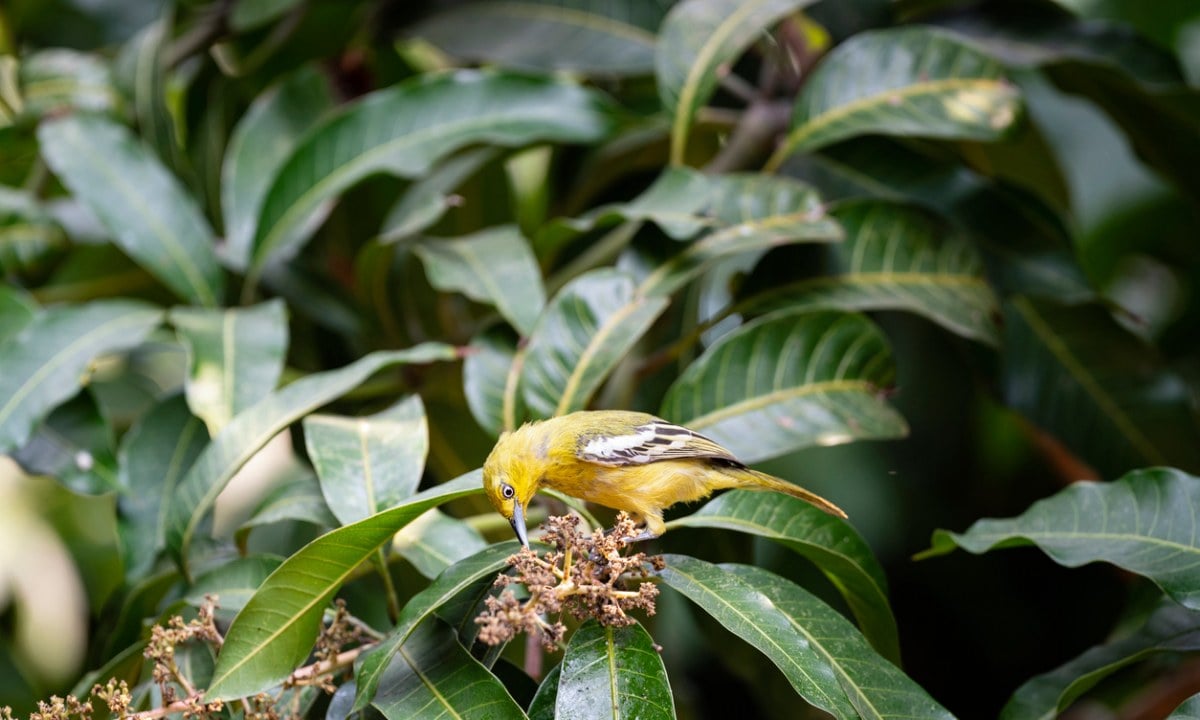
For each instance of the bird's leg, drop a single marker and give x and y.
(654, 527)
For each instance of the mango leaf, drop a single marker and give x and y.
(275, 631)
(1098, 388)
(697, 39)
(233, 583)
(756, 213)
(830, 543)
(75, 446)
(149, 213)
(787, 381)
(260, 144)
(432, 676)
(490, 381)
(898, 257)
(1143, 523)
(876, 687)
(748, 613)
(30, 237)
(297, 497)
(589, 327)
(57, 80)
(542, 706)
(141, 72)
(613, 672)
(17, 309)
(404, 130)
(371, 463)
(47, 361)
(494, 266)
(612, 38)
(435, 541)
(903, 81)
(457, 578)
(427, 199)
(235, 357)
(1188, 710)
(250, 430)
(1170, 630)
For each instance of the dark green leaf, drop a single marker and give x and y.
(435, 541)
(17, 309)
(829, 542)
(427, 199)
(74, 445)
(297, 497)
(250, 14)
(902, 81)
(150, 215)
(47, 361)
(234, 583)
(543, 704)
(786, 381)
(29, 235)
(1143, 523)
(275, 631)
(57, 80)
(613, 673)
(432, 676)
(489, 380)
(235, 357)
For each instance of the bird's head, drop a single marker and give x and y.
(511, 479)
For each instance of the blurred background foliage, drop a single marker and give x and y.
(1028, 170)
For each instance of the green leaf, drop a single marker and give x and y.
(903, 81)
(748, 613)
(611, 38)
(490, 381)
(297, 497)
(544, 701)
(275, 631)
(787, 381)
(613, 672)
(233, 583)
(235, 357)
(141, 71)
(457, 578)
(404, 130)
(47, 361)
(155, 453)
(432, 676)
(830, 543)
(250, 14)
(1143, 523)
(57, 80)
(494, 266)
(17, 309)
(368, 464)
(427, 199)
(1188, 710)
(697, 39)
(589, 327)
(755, 213)
(899, 257)
(1170, 630)
(29, 236)
(150, 215)
(1106, 394)
(260, 144)
(251, 429)
(876, 687)
(74, 445)
(435, 541)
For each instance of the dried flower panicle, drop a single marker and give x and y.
(586, 576)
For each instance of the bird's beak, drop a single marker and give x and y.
(518, 523)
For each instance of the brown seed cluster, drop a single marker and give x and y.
(586, 576)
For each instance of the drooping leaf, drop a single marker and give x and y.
(751, 615)
(275, 631)
(489, 380)
(457, 578)
(150, 215)
(902, 81)
(235, 357)
(587, 328)
(260, 144)
(405, 129)
(57, 79)
(435, 541)
(252, 428)
(1170, 629)
(154, 455)
(1143, 523)
(898, 257)
(432, 676)
(371, 463)
(787, 381)
(697, 39)
(829, 542)
(612, 38)
(1098, 388)
(29, 235)
(495, 266)
(613, 672)
(427, 199)
(47, 361)
(75, 446)
(141, 72)
(877, 688)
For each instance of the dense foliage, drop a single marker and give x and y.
(276, 274)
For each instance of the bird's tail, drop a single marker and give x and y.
(755, 480)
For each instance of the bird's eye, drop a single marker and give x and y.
(507, 491)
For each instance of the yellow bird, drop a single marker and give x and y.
(624, 460)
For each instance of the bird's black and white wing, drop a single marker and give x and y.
(648, 442)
